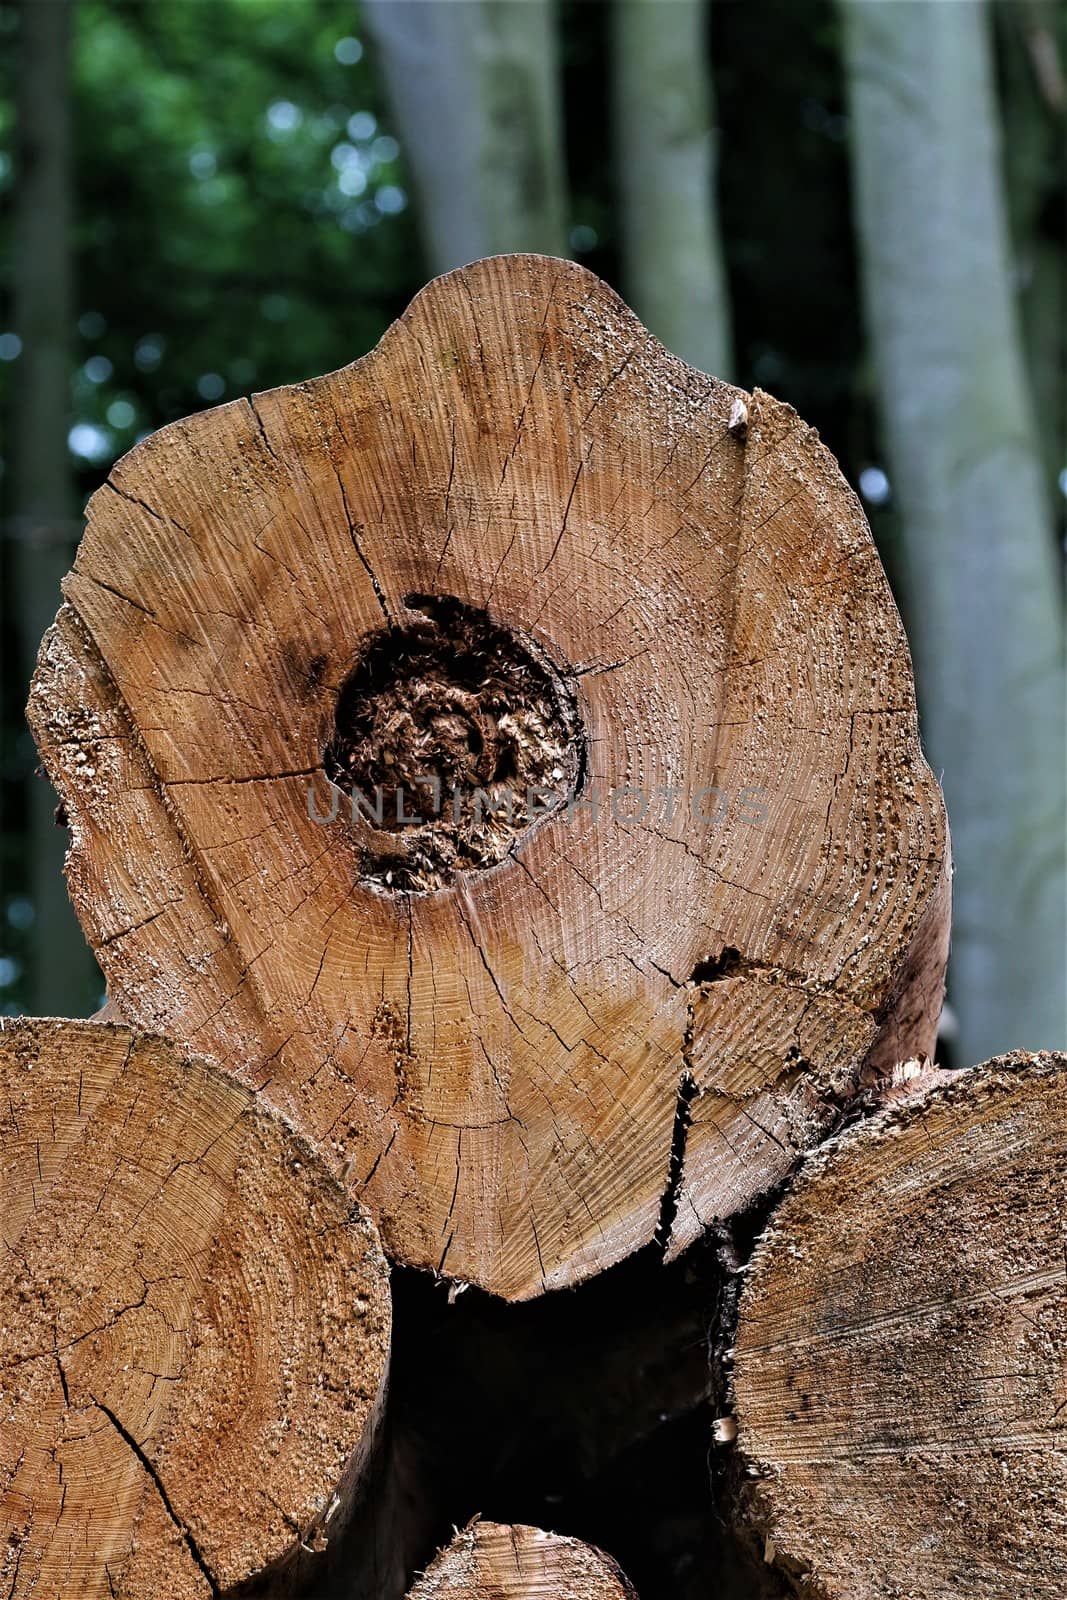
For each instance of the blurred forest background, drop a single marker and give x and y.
(856, 205)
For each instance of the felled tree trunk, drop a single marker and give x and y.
(490, 1562)
(898, 1369)
(194, 1331)
(519, 556)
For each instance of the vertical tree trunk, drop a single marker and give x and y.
(1036, 110)
(475, 92)
(44, 532)
(983, 589)
(665, 158)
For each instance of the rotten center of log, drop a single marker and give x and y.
(452, 737)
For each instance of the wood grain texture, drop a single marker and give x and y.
(194, 1328)
(506, 1070)
(899, 1370)
(487, 1561)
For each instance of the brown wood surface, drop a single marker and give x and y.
(490, 1562)
(899, 1370)
(194, 1328)
(626, 1028)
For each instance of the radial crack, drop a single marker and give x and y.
(187, 1537)
(688, 1090)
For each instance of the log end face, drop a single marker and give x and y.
(490, 1561)
(897, 1368)
(196, 1325)
(710, 657)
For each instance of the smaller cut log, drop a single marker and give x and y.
(488, 1561)
(194, 1328)
(899, 1374)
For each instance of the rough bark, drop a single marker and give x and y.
(42, 523)
(673, 265)
(898, 1368)
(474, 88)
(195, 1328)
(630, 1024)
(490, 1562)
(984, 597)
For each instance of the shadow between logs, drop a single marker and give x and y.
(587, 1412)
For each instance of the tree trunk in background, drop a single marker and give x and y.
(984, 599)
(474, 88)
(45, 535)
(665, 158)
(1036, 112)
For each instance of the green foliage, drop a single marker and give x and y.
(241, 214)
(240, 222)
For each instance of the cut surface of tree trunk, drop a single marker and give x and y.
(898, 1368)
(195, 1327)
(517, 550)
(490, 1562)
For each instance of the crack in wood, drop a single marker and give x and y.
(186, 1535)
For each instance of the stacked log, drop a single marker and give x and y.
(517, 554)
(490, 1562)
(494, 767)
(899, 1368)
(195, 1327)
